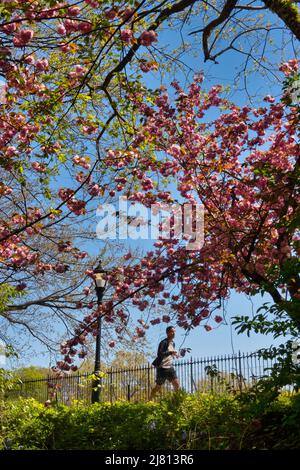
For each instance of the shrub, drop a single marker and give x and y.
(179, 421)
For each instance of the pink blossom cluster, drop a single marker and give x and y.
(23, 37)
(76, 206)
(290, 67)
(78, 72)
(41, 65)
(81, 161)
(148, 66)
(126, 35)
(39, 167)
(65, 193)
(148, 37)
(92, 3)
(69, 26)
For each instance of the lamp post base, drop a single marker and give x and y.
(96, 390)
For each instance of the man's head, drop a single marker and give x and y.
(170, 330)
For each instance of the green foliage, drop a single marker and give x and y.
(7, 380)
(268, 319)
(179, 421)
(31, 373)
(8, 293)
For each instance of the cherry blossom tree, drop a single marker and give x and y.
(243, 166)
(78, 127)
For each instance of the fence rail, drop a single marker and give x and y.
(215, 374)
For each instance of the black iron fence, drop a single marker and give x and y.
(215, 374)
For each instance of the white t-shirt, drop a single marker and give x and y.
(168, 361)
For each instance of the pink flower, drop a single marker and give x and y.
(147, 66)
(111, 14)
(126, 35)
(21, 286)
(81, 161)
(174, 150)
(218, 319)
(92, 3)
(78, 72)
(205, 313)
(140, 332)
(182, 352)
(289, 67)
(208, 328)
(148, 37)
(40, 167)
(89, 129)
(76, 206)
(127, 14)
(42, 64)
(197, 320)
(5, 190)
(60, 268)
(65, 47)
(85, 26)
(10, 151)
(86, 291)
(29, 59)
(269, 99)
(9, 28)
(65, 193)
(23, 37)
(74, 11)
(285, 249)
(95, 190)
(61, 30)
(155, 321)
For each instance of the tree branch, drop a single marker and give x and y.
(288, 12)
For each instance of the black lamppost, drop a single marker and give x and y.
(100, 284)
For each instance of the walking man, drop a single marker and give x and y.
(165, 369)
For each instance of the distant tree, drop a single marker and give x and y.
(31, 373)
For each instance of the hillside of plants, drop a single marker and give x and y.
(178, 422)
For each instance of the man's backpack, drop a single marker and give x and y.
(156, 362)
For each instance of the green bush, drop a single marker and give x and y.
(179, 421)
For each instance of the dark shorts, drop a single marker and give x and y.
(165, 374)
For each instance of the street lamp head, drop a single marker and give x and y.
(100, 277)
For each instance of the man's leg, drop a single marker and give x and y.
(154, 391)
